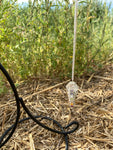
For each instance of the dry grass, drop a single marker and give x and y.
(93, 110)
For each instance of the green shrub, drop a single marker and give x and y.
(37, 40)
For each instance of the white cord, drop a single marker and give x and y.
(74, 40)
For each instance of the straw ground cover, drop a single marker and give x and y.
(93, 110)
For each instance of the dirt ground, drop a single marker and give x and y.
(93, 110)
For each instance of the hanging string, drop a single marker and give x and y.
(74, 40)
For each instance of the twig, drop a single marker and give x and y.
(99, 139)
(105, 78)
(90, 78)
(32, 147)
(47, 89)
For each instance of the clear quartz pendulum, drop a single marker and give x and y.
(72, 89)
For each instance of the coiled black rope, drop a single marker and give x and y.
(6, 135)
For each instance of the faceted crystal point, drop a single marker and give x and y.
(72, 89)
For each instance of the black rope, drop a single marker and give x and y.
(6, 135)
(17, 104)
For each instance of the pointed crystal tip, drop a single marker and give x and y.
(71, 104)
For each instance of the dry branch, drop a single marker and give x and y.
(47, 89)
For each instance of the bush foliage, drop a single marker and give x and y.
(37, 39)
